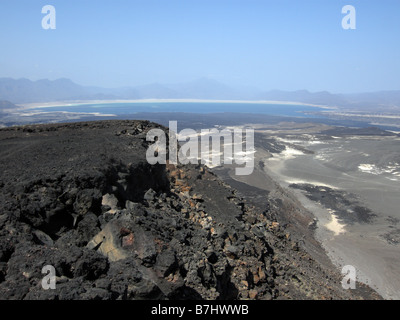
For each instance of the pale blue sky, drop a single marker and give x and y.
(281, 44)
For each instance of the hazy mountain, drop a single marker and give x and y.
(206, 89)
(376, 100)
(26, 91)
(156, 91)
(6, 105)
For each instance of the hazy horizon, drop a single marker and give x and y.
(265, 45)
(250, 88)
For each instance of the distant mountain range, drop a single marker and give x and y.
(6, 105)
(21, 91)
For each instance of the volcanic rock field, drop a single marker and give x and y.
(82, 198)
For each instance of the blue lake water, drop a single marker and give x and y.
(290, 110)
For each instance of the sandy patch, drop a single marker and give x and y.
(334, 225)
(287, 154)
(373, 169)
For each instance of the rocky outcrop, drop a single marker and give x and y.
(82, 198)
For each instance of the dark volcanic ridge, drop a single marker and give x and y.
(82, 198)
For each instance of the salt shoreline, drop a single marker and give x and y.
(86, 102)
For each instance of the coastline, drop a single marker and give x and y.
(87, 102)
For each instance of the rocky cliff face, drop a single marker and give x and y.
(82, 198)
